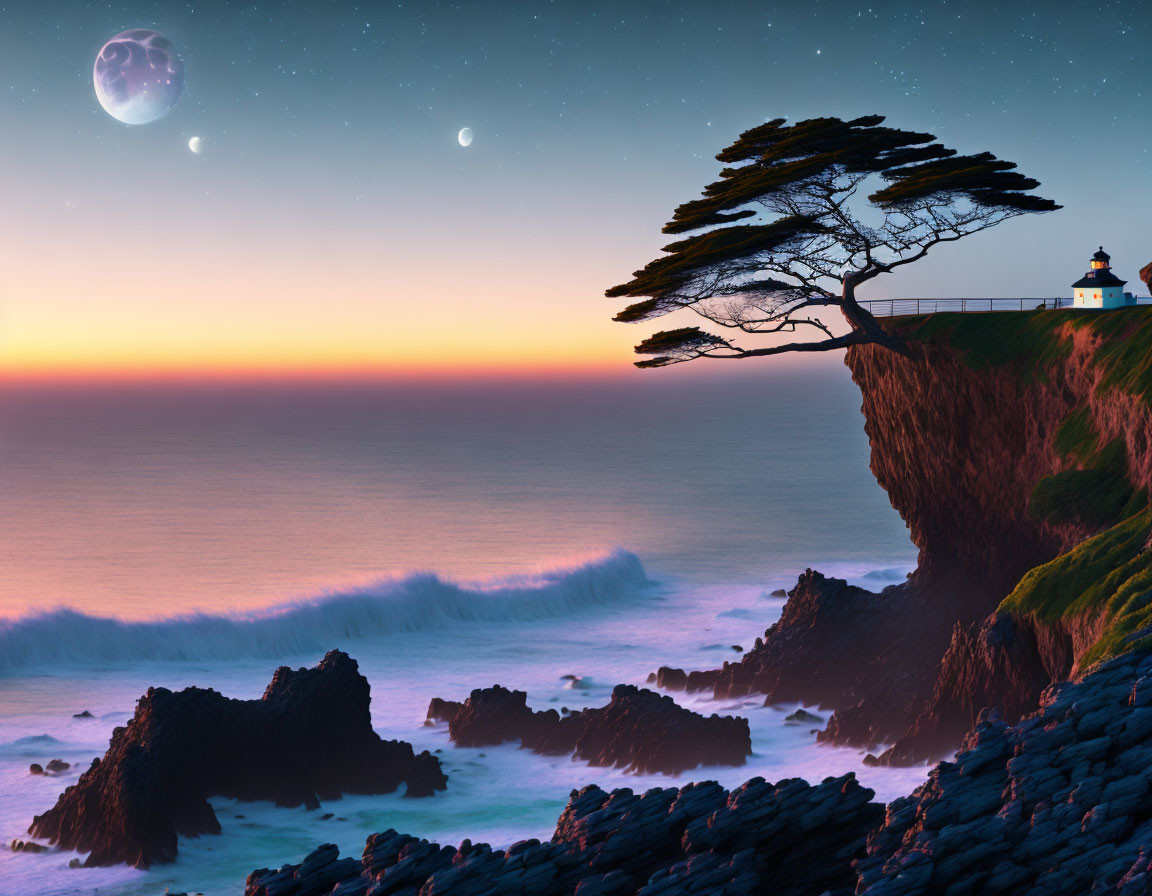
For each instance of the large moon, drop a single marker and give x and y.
(138, 76)
(465, 136)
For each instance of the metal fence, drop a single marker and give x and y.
(904, 307)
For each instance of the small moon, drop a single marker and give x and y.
(138, 76)
(465, 136)
(196, 144)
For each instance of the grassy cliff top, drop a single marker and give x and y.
(1108, 578)
(1033, 340)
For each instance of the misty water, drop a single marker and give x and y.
(448, 536)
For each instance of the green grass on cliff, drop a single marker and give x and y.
(1097, 496)
(1125, 354)
(992, 339)
(1076, 437)
(1108, 577)
(1034, 340)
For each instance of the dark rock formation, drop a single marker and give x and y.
(638, 730)
(1060, 803)
(55, 766)
(27, 846)
(309, 737)
(82, 715)
(669, 679)
(443, 710)
(35, 769)
(870, 657)
(1146, 275)
(789, 839)
(803, 717)
(997, 663)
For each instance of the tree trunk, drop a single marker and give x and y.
(861, 319)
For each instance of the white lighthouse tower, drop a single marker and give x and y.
(1100, 288)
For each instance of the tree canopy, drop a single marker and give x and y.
(788, 229)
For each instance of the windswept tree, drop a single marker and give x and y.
(791, 228)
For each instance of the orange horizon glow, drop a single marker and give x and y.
(287, 372)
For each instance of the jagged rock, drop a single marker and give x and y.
(870, 657)
(790, 838)
(309, 737)
(996, 663)
(1146, 275)
(638, 730)
(83, 715)
(803, 717)
(442, 710)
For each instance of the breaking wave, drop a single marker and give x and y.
(410, 604)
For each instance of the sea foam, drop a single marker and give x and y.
(411, 604)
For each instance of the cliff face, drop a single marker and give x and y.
(1004, 441)
(1003, 449)
(961, 440)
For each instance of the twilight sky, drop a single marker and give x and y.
(334, 224)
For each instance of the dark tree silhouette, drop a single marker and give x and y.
(788, 230)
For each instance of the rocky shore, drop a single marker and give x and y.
(789, 839)
(639, 730)
(308, 738)
(1059, 803)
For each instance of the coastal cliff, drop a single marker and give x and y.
(1006, 442)
(1016, 448)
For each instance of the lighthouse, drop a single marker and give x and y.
(1100, 288)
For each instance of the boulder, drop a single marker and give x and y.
(27, 846)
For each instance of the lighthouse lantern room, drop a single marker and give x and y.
(1100, 288)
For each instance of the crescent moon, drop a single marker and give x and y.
(196, 145)
(465, 136)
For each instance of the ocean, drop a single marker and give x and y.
(448, 535)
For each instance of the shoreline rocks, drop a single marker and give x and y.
(1058, 804)
(308, 738)
(789, 838)
(638, 730)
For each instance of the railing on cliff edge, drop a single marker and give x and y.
(908, 307)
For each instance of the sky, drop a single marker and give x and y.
(334, 225)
